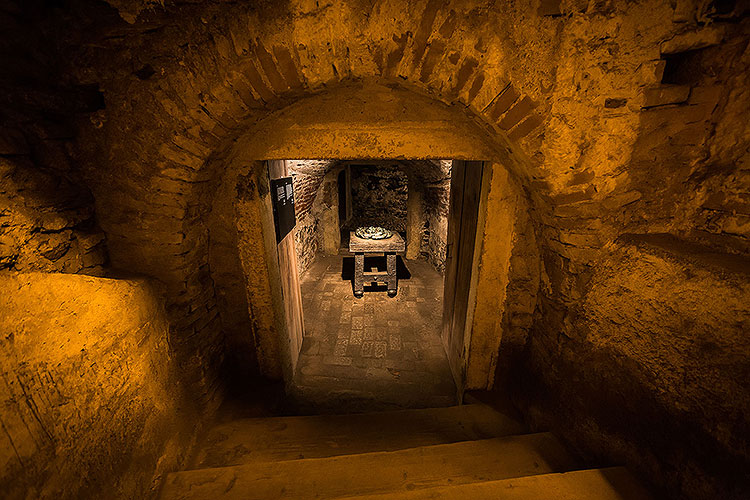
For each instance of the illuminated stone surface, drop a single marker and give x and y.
(376, 352)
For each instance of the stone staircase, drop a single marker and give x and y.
(466, 452)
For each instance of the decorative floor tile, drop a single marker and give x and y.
(394, 343)
(340, 348)
(354, 346)
(368, 349)
(356, 337)
(380, 349)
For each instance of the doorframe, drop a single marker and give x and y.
(464, 289)
(292, 335)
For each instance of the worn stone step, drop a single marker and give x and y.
(288, 438)
(614, 483)
(367, 473)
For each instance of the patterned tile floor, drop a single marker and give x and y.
(375, 352)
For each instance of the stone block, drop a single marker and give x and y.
(651, 72)
(95, 364)
(590, 240)
(269, 68)
(615, 102)
(708, 96)
(525, 127)
(663, 95)
(287, 66)
(693, 40)
(549, 8)
(517, 113)
(181, 156)
(574, 196)
(684, 11)
(502, 102)
(248, 69)
(620, 200)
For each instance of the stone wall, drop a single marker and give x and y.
(651, 369)
(46, 222)
(673, 165)
(93, 404)
(308, 176)
(437, 204)
(379, 194)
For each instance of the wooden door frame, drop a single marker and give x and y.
(290, 315)
(466, 216)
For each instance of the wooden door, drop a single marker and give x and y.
(290, 290)
(466, 187)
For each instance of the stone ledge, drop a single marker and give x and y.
(690, 253)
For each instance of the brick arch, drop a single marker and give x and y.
(240, 73)
(372, 120)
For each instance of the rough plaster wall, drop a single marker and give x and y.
(664, 361)
(93, 404)
(718, 206)
(325, 210)
(249, 214)
(652, 170)
(308, 177)
(306, 240)
(379, 195)
(46, 222)
(436, 204)
(238, 328)
(503, 288)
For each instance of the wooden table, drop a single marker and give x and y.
(388, 247)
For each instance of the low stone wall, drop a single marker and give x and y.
(93, 405)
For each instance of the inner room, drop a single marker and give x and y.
(379, 347)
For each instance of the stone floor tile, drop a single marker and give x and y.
(368, 349)
(356, 337)
(379, 349)
(394, 343)
(340, 348)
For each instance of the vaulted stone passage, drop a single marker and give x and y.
(570, 180)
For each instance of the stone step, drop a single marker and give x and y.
(379, 472)
(614, 483)
(289, 438)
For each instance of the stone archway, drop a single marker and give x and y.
(244, 63)
(371, 120)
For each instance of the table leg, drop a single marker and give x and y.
(392, 278)
(359, 277)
